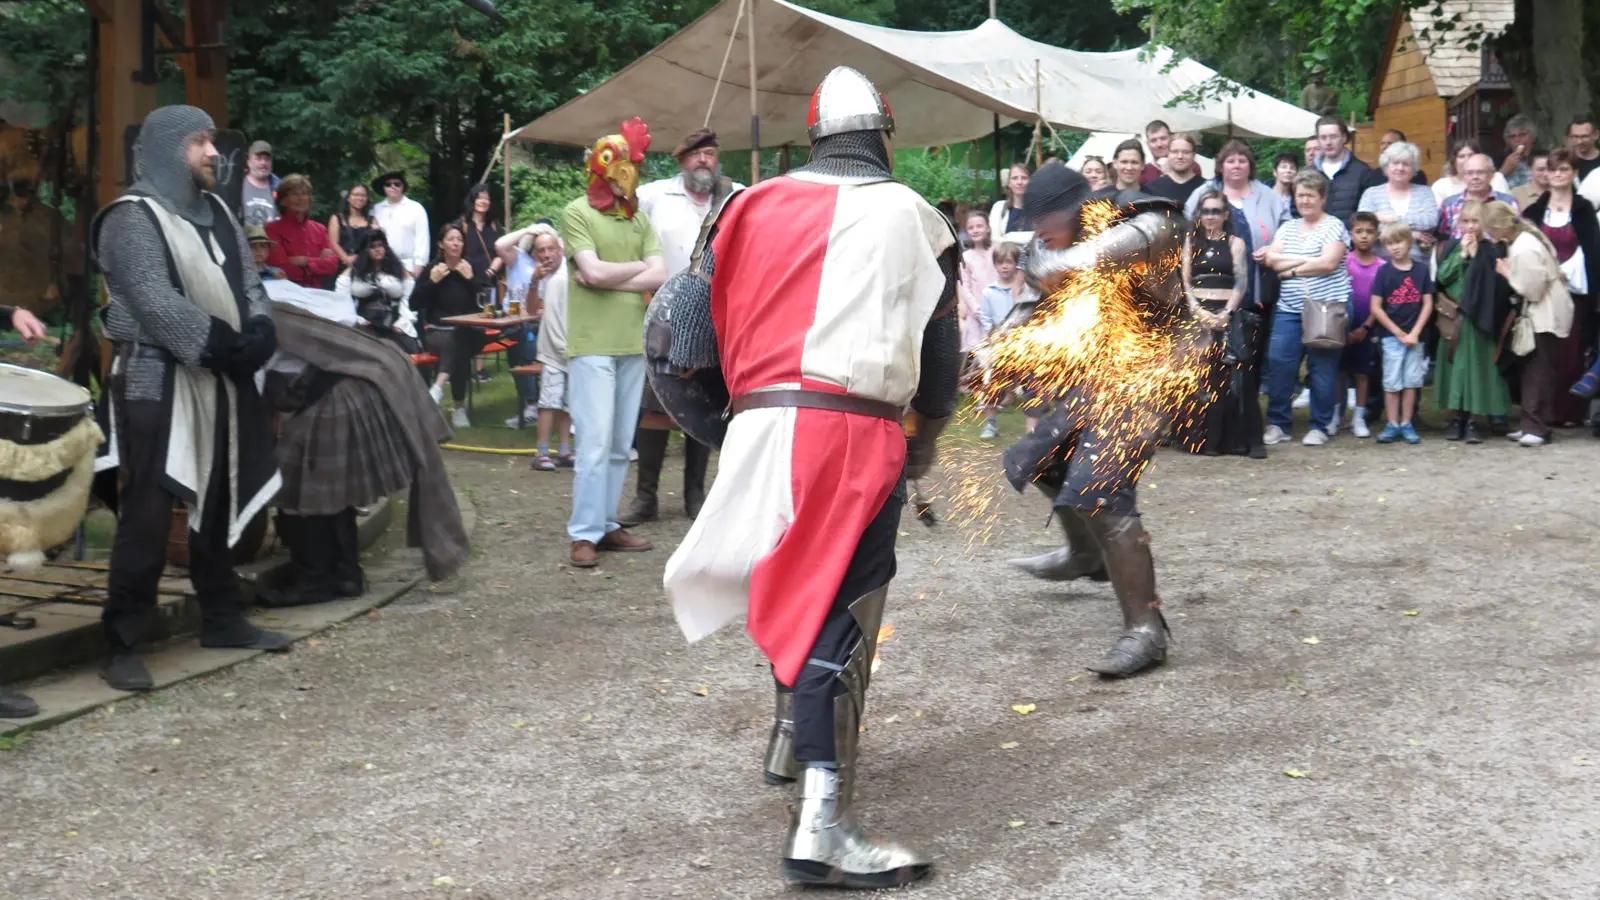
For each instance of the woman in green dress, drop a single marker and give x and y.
(1466, 380)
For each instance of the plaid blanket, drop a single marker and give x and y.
(369, 435)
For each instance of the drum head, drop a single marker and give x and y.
(35, 393)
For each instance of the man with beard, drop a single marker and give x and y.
(677, 207)
(1087, 464)
(190, 323)
(824, 302)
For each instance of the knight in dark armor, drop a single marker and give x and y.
(1089, 464)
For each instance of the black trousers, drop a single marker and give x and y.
(144, 519)
(455, 348)
(872, 567)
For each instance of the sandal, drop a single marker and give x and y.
(544, 464)
(566, 461)
(1586, 386)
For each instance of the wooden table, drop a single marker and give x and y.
(485, 323)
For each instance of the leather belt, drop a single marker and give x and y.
(845, 403)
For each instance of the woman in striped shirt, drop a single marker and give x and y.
(1308, 255)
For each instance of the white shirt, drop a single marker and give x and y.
(1449, 186)
(551, 349)
(1589, 188)
(405, 224)
(676, 217)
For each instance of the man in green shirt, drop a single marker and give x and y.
(615, 260)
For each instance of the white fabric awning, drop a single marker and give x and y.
(943, 86)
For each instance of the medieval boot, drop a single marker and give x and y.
(1079, 557)
(1133, 577)
(696, 457)
(125, 671)
(826, 845)
(349, 579)
(223, 625)
(16, 706)
(652, 444)
(312, 549)
(779, 766)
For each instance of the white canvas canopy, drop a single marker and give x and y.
(942, 86)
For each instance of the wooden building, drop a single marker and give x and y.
(1434, 89)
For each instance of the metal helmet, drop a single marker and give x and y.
(847, 101)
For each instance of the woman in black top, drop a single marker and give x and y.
(447, 289)
(480, 230)
(1215, 274)
(349, 226)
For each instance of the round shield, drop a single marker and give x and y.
(686, 379)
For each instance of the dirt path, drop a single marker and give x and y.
(529, 731)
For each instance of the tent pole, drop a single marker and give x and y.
(991, 10)
(1038, 110)
(999, 182)
(505, 141)
(755, 110)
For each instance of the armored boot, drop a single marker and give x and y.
(826, 845)
(1133, 576)
(779, 766)
(1079, 557)
(652, 444)
(696, 457)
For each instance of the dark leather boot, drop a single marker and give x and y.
(350, 580)
(1456, 430)
(123, 630)
(313, 549)
(223, 625)
(1133, 576)
(696, 457)
(652, 444)
(16, 706)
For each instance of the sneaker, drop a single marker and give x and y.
(437, 393)
(989, 432)
(1333, 424)
(1358, 425)
(1515, 436)
(1314, 438)
(1408, 431)
(529, 416)
(1350, 397)
(1532, 440)
(633, 456)
(1274, 435)
(1390, 434)
(483, 377)
(458, 418)
(1304, 400)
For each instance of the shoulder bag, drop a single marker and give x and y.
(1324, 323)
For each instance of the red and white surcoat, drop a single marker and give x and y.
(826, 284)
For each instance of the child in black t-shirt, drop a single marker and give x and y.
(1402, 302)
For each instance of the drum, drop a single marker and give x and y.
(47, 447)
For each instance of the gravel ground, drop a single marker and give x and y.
(1382, 686)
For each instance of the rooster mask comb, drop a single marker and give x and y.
(612, 167)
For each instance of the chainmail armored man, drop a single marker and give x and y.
(190, 323)
(830, 311)
(1066, 457)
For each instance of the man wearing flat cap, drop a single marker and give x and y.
(404, 222)
(677, 207)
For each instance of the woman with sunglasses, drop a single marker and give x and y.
(1216, 271)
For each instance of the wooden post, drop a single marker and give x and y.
(505, 162)
(206, 75)
(123, 101)
(755, 106)
(1038, 110)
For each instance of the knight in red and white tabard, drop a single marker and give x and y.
(819, 313)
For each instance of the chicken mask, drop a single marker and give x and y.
(612, 167)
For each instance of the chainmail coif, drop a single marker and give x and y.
(853, 154)
(159, 167)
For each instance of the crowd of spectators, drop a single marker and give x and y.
(1473, 290)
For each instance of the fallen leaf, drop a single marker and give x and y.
(368, 767)
(1413, 742)
(313, 643)
(587, 718)
(229, 695)
(1311, 640)
(1015, 823)
(1074, 679)
(1411, 612)
(435, 842)
(519, 724)
(1023, 709)
(72, 834)
(1009, 745)
(1251, 500)
(1383, 499)
(1294, 773)
(701, 691)
(443, 881)
(917, 714)
(1582, 761)
(177, 741)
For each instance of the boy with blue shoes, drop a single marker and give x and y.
(1402, 303)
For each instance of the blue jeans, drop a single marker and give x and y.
(1284, 352)
(526, 353)
(603, 395)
